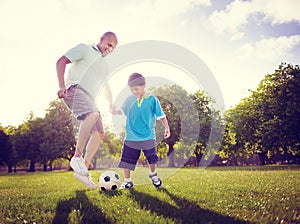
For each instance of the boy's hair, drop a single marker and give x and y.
(136, 79)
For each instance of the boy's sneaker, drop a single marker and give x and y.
(126, 185)
(78, 165)
(86, 180)
(156, 181)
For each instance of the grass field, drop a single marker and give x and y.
(190, 195)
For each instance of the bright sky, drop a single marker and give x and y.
(240, 41)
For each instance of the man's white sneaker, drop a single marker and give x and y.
(86, 180)
(78, 165)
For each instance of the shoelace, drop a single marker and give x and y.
(155, 179)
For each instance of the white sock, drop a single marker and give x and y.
(152, 173)
(127, 180)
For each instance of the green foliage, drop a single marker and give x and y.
(181, 114)
(267, 122)
(5, 149)
(267, 194)
(194, 124)
(211, 129)
(59, 132)
(44, 139)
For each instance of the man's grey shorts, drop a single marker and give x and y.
(81, 103)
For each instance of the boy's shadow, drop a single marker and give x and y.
(85, 211)
(185, 211)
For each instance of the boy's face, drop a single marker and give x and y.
(138, 91)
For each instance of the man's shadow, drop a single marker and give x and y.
(185, 211)
(84, 209)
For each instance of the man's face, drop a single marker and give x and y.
(107, 45)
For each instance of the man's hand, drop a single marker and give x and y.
(62, 93)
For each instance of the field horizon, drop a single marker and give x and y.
(268, 194)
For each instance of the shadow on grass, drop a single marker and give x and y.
(81, 210)
(111, 193)
(185, 212)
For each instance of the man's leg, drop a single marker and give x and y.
(77, 162)
(84, 131)
(92, 146)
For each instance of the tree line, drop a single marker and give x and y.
(262, 128)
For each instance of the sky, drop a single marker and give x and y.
(239, 41)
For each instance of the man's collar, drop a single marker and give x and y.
(94, 46)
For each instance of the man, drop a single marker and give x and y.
(79, 91)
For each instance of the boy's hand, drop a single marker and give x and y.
(114, 111)
(167, 133)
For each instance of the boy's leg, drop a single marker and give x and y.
(126, 173)
(152, 160)
(156, 181)
(127, 180)
(152, 167)
(128, 161)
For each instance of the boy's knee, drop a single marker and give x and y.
(152, 159)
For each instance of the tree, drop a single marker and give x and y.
(211, 127)
(281, 115)
(34, 138)
(182, 116)
(267, 122)
(6, 153)
(18, 143)
(59, 130)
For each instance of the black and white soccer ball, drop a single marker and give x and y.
(109, 181)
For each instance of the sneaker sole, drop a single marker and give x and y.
(158, 186)
(80, 171)
(121, 188)
(89, 186)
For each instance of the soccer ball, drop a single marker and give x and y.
(109, 181)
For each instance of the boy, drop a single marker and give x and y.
(141, 110)
(79, 92)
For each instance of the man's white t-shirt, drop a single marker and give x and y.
(88, 68)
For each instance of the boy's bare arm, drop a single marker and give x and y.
(167, 128)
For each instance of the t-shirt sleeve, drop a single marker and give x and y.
(158, 109)
(127, 105)
(76, 53)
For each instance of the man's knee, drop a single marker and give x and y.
(93, 115)
(101, 135)
(98, 135)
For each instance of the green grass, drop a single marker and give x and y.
(190, 195)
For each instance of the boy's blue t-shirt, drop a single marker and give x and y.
(141, 117)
